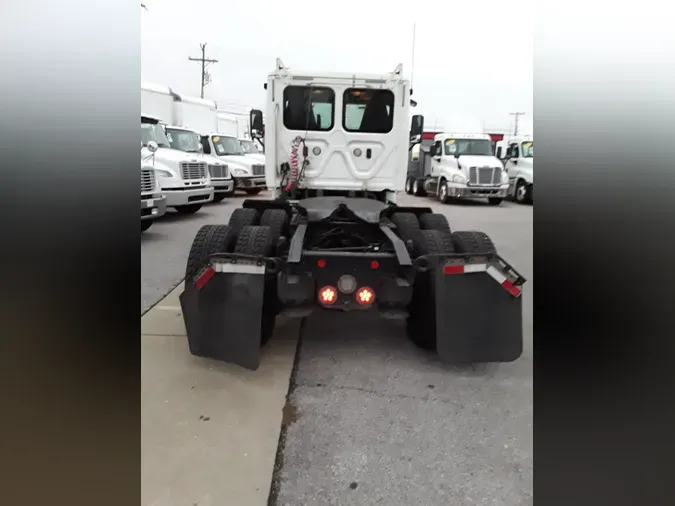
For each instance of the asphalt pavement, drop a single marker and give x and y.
(374, 419)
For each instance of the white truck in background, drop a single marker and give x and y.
(189, 141)
(463, 166)
(248, 174)
(189, 118)
(153, 203)
(183, 177)
(251, 150)
(517, 154)
(186, 117)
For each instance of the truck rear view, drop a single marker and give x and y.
(336, 148)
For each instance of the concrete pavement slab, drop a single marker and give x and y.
(209, 430)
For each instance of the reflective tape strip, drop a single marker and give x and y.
(236, 268)
(501, 279)
(464, 269)
(491, 270)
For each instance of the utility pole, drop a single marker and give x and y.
(205, 62)
(517, 115)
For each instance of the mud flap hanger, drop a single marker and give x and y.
(467, 263)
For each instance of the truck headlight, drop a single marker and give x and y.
(240, 172)
(458, 179)
(164, 173)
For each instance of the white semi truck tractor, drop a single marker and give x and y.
(332, 237)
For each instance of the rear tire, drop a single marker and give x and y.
(258, 241)
(421, 324)
(145, 224)
(242, 217)
(435, 221)
(418, 189)
(189, 209)
(253, 191)
(477, 243)
(210, 239)
(408, 227)
(495, 201)
(408, 186)
(277, 221)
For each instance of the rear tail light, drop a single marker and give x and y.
(327, 295)
(365, 296)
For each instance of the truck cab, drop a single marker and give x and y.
(463, 166)
(188, 141)
(183, 176)
(248, 174)
(251, 149)
(336, 133)
(518, 157)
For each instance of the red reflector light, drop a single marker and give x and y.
(365, 296)
(374, 264)
(204, 278)
(327, 295)
(321, 263)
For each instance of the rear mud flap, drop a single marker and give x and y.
(223, 313)
(479, 314)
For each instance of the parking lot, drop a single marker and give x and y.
(370, 419)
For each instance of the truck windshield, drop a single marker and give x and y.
(183, 140)
(474, 147)
(528, 149)
(154, 132)
(227, 145)
(249, 147)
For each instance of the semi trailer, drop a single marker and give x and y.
(333, 238)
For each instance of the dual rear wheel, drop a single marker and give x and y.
(430, 234)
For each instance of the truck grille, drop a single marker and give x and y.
(218, 171)
(485, 176)
(258, 170)
(147, 180)
(193, 170)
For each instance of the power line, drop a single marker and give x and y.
(205, 62)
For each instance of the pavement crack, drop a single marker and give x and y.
(380, 393)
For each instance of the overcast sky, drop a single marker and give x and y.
(473, 61)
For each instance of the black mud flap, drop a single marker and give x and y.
(479, 314)
(222, 310)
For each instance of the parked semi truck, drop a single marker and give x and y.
(189, 141)
(183, 177)
(334, 239)
(153, 203)
(248, 173)
(458, 166)
(517, 154)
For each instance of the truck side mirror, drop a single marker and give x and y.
(456, 154)
(256, 121)
(152, 146)
(416, 126)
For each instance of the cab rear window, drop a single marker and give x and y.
(368, 111)
(309, 108)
